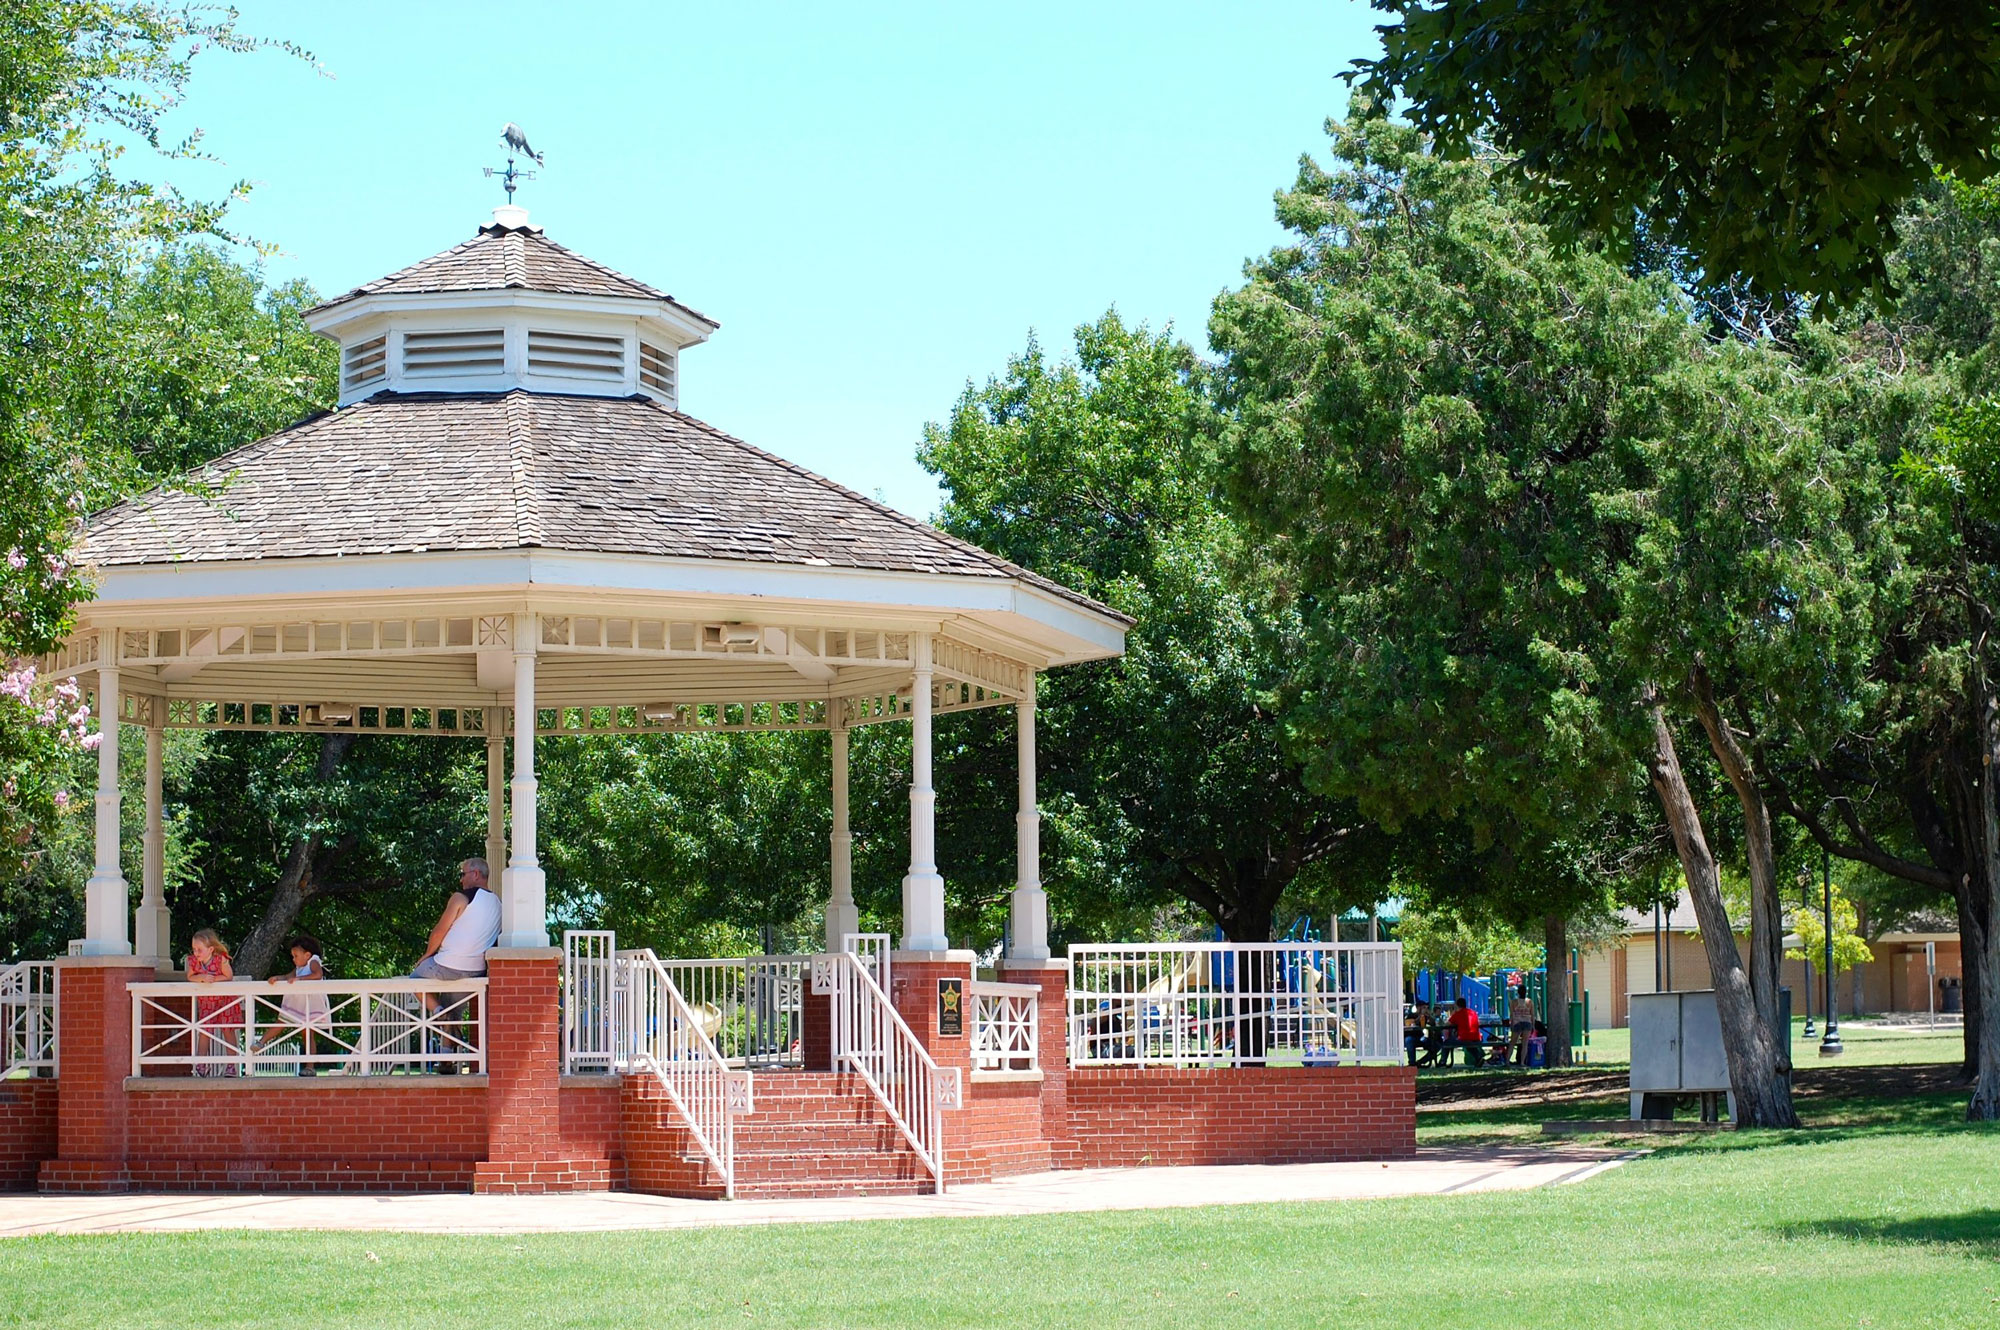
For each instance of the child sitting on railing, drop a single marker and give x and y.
(217, 1019)
(307, 1011)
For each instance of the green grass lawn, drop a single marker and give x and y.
(1885, 1212)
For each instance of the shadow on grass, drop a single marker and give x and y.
(1826, 1118)
(1979, 1229)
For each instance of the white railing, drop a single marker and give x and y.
(871, 1038)
(749, 1006)
(1006, 1027)
(361, 1027)
(659, 1032)
(1221, 1004)
(28, 1019)
(874, 950)
(590, 1000)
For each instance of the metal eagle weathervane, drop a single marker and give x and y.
(515, 140)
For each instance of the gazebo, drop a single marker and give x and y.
(508, 528)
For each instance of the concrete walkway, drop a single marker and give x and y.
(1432, 1173)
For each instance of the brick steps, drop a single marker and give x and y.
(811, 1134)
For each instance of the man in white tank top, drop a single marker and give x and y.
(469, 925)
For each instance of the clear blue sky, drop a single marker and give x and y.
(878, 202)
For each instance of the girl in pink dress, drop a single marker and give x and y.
(217, 1018)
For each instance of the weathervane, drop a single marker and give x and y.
(517, 145)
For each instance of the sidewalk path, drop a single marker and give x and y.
(1432, 1173)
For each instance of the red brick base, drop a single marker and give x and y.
(1242, 1115)
(27, 1131)
(526, 1128)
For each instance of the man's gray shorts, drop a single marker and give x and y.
(428, 968)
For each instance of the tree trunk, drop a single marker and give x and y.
(1971, 965)
(1984, 1106)
(1767, 927)
(1555, 987)
(1763, 1093)
(295, 884)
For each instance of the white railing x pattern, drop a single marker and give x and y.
(1006, 1026)
(1219, 1004)
(871, 1037)
(28, 1019)
(363, 1027)
(658, 1032)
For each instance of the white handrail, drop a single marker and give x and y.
(28, 1018)
(365, 1027)
(870, 1036)
(1203, 1004)
(662, 1035)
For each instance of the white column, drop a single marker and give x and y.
(106, 898)
(524, 912)
(152, 925)
(1028, 909)
(923, 889)
(842, 917)
(496, 796)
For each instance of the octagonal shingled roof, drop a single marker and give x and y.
(444, 472)
(502, 258)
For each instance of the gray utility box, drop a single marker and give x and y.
(1676, 1049)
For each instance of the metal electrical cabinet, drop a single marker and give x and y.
(1676, 1049)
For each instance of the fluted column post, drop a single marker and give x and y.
(496, 795)
(1028, 907)
(923, 889)
(152, 924)
(842, 916)
(106, 896)
(524, 887)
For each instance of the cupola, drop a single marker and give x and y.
(510, 309)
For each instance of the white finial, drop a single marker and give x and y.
(511, 216)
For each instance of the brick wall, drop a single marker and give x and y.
(345, 1135)
(94, 1030)
(1244, 1115)
(660, 1154)
(526, 1149)
(27, 1131)
(588, 1121)
(998, 1133)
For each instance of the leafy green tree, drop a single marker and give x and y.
(1778, 141)
(1442, 938)
(1447, 427)
(1849, 947)
(1170, 764)
(80, 80)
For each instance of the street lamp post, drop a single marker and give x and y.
(1805, 896)
(1830, 1046)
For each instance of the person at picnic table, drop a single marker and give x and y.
(1521, 1020)
(1464, 1022)
(216, 1017)
(1420, 1034)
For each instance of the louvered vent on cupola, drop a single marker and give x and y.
(361, 363)
(453, 355)
(577, 356)
(656, 370)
